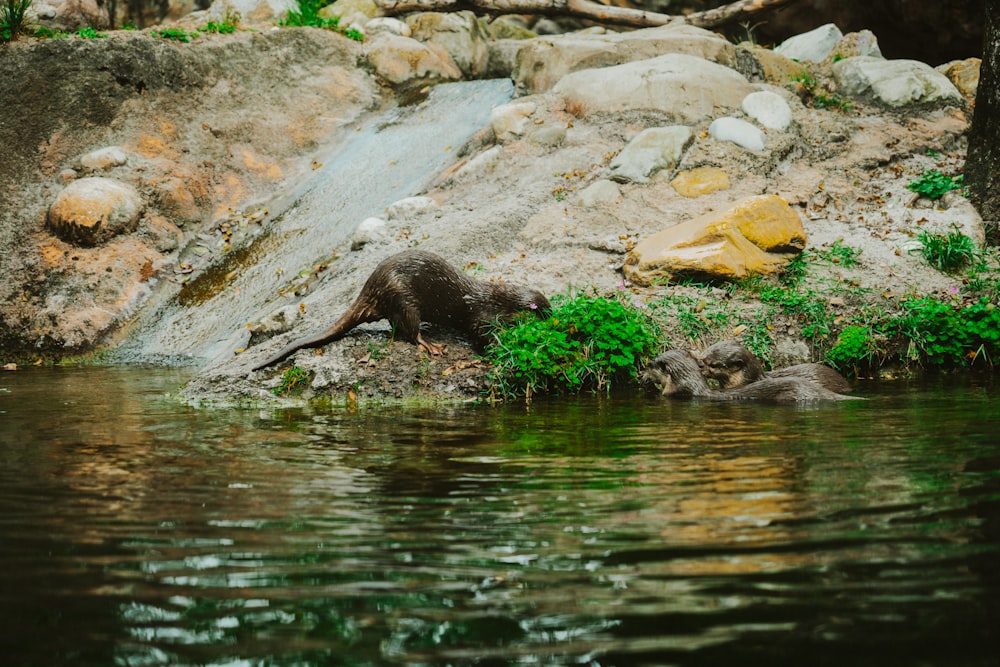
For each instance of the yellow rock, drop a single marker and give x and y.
(964, 74)
(777, 68)
(700, 181)
(758, 235)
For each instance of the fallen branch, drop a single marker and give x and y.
(585, 9)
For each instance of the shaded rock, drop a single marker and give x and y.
(458, 34)
(775, 67)
(767, 108)
(861, 43)
(177, 202)
(812, 46)
(756, 236)
(90, 211)
(599, 192)
(104, 159)
(686, 88)
(894, 83)
(545, 61)
(507, 28)
(652, 149)
(397, 59)
(740, 132)
(700, 181)
(964, 74)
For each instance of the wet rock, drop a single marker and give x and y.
(767, 108)
(684, 87)
(458, 34)
(398, 60)
(653, 149)
(894, 83)
(91, 211)
(701, 181)
(755, 236)
(812, 46)
(740, 132)
(545, 61)
(104, 159)
(964, 74)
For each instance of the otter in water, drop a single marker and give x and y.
(676, 373)
(732, 365)
(416, 286)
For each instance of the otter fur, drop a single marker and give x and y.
(416, 286)
(676, 374)
(733, 365)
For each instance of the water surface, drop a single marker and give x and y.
(626, 531)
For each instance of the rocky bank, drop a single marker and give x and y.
(173, 151)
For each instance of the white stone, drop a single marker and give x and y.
(404, 208)
(104, 158)
(738, 131)
(388, 24)
(812, 46)
(894, 83)
(370, 230)
(769, 109)
(652, 149)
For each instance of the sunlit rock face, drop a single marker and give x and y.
(91, 211)
(758, 235)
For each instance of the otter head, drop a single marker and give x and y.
(675, 373)
(730, 364)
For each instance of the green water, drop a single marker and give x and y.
(628, 531)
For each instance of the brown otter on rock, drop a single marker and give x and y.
(676, 374)
(733, 365)
(416, 286)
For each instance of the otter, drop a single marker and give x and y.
(676, 373)
(732, 365)
(416, 286)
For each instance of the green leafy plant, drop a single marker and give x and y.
(293, 382)
(47, 33)
(813, 93)
(945, 334)
(933, 184)
(588, 343)
(308, 15)
(806, 307)
(13, 18)
(948, 252)
(838, 253)
(90, 33)
(173, 34)
(230, 22)
(855, 347)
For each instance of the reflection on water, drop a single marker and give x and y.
(631, 531)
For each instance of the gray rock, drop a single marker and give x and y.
(397, 60)
(738, 131)
(458, 34)
(687, 88)
(91, 211)
(812, 46)
(652, 149)
(894, 83)
(370, 230)
(410, 206)
(599, 192)
(511, 120)
(104, 159)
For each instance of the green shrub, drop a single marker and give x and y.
(948, 252)
(944, 334)
(13, 18)
(933, 184)
(854, 347)
(174, 34)
(308, 15)
(90, 33)
(588, 343)
(293, 382)
(810, 311)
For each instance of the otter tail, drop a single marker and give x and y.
(335, 332)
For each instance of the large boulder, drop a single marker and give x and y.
(542, 62)
(459, 35)
(91, 211)
(813, 46)
(758, 235)
(894, 83)
(686, 88)
(400, 60)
